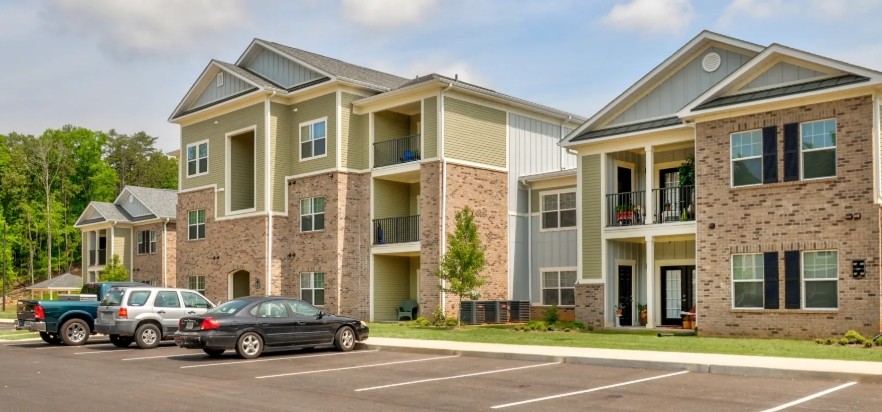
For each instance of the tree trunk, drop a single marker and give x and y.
(30, 249)
(48, 227)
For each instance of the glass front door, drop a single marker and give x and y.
(677, 293)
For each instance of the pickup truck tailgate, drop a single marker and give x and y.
(25, 309)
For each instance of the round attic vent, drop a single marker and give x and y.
(710, 62)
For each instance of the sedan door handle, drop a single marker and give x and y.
(192, 312)
(161, 312)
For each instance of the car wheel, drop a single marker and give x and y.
(345, 339)
(249, 346)
(214, 353)
(74, 332)
(121, 341)
(50, 338)
(147, 336)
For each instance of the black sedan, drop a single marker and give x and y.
(252, 324)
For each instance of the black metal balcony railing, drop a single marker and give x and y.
(674, 204)
(626, 209)
(396, 230)
(393, 152)
(98, 257)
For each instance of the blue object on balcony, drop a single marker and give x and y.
(408, 156)
(380, 235)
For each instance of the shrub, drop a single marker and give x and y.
(549, 315)
(420, 321)
(450, 322)
(578, 326)
(829, 341)
(853, 336)
(536, 325)
(819, 341)
(868, 344)
(438, 318)
(843, 341)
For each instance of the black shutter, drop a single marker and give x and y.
(770, 154)
(791, 280)
(791, 152)
(770, 276)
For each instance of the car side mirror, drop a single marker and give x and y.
(320, 315)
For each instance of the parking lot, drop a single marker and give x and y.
(99, 376)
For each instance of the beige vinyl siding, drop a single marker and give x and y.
(280, 152)
(391, 285)
(414, 280)
(430, 128)
(474, 133)
(391, 199)
(122, 247)
(309, 110)
(536, 200)
(390, 126)
(591, 230)
(242, 171)
(414, 199)
(214, 130)
(355, 151)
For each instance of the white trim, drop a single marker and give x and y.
(212, 186)
(394, 248)
(204, 224)
(228, 173)
(556, 269)
(371, 140)
(760, 157)
(732, 281)
(558, 192)
(422, 128)
(219, 79)
(802, 151)
(267, 189)
(476, 165)
(186, 157)
(239, 216)
(371, 283)
(339, 126)
(615, 289)
(300, 141)
(877, 167)
(803, 280)
(312, 213)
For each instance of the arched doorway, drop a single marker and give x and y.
(239, 284)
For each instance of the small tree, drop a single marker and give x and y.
(463, 261)
(114, 271)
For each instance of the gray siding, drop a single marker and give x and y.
(135, 208)
(281, 70)
(550, 250)
(627, 251)
(681, 88)
(782, 73)
(533, 149)
(519, 257)
(212, 92)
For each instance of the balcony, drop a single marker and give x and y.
(397, 151)
(98, 257)
(396, 230)
(673, 204)
(626, 209)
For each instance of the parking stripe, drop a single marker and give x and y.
(457, 376)
(276, 359)
(354, 367)
(101, 351)
(810, 397)
(165, 356)
(587, 390)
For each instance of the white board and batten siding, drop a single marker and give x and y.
(212, 93)
(134, 207)
(281, 70)
(782, 72)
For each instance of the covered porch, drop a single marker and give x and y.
(395, 280)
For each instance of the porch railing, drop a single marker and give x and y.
(396, 230)
(626, 209)
(98, 257)
(393, 152)
(674, 204)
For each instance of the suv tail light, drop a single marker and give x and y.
(123, 313)
(210, 324)
(39, 313)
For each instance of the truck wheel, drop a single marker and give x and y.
(147, 336)
(121, 341)
(74, 332)
(50, 338)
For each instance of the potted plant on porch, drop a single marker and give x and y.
(641, 307)
(619, 308)
(624, 212)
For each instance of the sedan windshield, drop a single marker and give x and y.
(230, 307)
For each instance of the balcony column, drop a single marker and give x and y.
(651, 306)
(649, 213)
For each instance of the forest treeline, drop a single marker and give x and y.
(47, 181)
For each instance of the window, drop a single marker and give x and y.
(167, 299)
(220, 79)
(559, 287)
(271, 309)
(138, 297)
(197, 283)
(312, 287)
(820, 275)
(146, 242)
(312, 214)
(302, 309)
(197, 159)
(818, 145)
(194, 300)
(559, 210)
(196, 224)
(747, 281)
(312, 139)
(747, 158)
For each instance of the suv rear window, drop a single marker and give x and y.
(138, 297)
(113, 297)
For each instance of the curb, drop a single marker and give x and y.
(641, 364)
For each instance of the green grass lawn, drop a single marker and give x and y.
(12, 334)
(9, 313)
(634, 340)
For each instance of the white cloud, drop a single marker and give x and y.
(652, 16)
(147, 27)
(813, 9)
(387, 14)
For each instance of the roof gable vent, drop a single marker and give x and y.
(711, 62)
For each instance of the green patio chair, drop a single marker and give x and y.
(408, 309)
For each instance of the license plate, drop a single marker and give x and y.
(106, 316)
(191, 324)
(21, 323)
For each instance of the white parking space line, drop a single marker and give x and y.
(52, 347)
(587, 390)
(102, 351)
(456, 377)
(276, 359)
(165, 356)
(354, 367)
(810, 397)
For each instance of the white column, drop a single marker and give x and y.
(651, 305)
(649, 204)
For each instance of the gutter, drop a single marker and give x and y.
(165, 253)
(443, 191)
(268, 197)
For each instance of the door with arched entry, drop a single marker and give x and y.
(239, 281)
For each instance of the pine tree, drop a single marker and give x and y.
(464, 260)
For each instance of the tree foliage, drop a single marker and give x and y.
(463, 262)
(114, 271)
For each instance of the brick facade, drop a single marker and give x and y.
(589, 304)
(430, 236)
(148, 267)
(789, 216)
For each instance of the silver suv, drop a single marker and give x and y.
(146, 315)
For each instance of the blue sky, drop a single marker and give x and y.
(105, 64)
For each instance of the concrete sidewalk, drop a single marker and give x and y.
(792, 368)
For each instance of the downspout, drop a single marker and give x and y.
(529, 243)
(267, 198)
(165, 253)
(443, 191)
(561, 153)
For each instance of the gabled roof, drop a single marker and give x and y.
(65, 282)
(207, 75)
(161, 203)
(726, 93)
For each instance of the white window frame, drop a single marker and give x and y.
(312, 213)
(197, 224)
(761, 280)
(802, 152)
(199, 280)
(187, 159)
(300, 139)
(219, 79)
(542, 210)
(311, 289)
(150, 247)
(803, 280)
(557, 270)
(732, 161)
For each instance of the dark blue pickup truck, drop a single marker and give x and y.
(70, 320)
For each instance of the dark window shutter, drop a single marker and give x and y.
(770, 277)
(791, 280)
(770, 154)
(791, 152)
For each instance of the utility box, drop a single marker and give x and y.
(471, 312)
